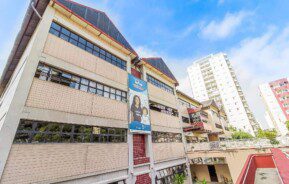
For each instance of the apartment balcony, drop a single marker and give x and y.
(200, 127)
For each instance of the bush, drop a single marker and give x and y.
(241, 135)
(268, 134)
(179, 179)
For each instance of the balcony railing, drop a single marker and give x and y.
(198, 126)
(235, 144)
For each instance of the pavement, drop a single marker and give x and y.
(267, 176)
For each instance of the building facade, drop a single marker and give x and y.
(64, 104)
(275, 95)
(213, 78)
(202, 122)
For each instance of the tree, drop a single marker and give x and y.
(239, 134)
(287, 124)
(268, 134)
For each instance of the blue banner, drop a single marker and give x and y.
(138, 106)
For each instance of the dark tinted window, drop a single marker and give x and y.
(82, 43)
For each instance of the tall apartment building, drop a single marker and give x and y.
(275, 95)
(68, 113)
(213, 77)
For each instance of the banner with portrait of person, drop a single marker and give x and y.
(139, 117)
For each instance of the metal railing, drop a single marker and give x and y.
(236, 144)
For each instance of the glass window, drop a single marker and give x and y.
(82, 43)
(55, 26)
(74, 42)
(92, 84)
(54, 32)
(90, 45)
(92, 90)
(84, 81)
(64, 37)
(65, 31)
(74, 36)
(83, 88)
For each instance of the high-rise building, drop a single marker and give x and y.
(213, 78)
(275, 95)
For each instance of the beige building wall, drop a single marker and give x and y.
(56, 162)
(222, 171)
(161, 96)
(48, 95)
(201, 172)
(164, 122)
(167, 151)
(235, 159)
(69, 53)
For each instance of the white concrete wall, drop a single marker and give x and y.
(273, 108)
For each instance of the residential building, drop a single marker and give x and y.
(65, 112)
(275, 95)
(202, 122)
(213, 78)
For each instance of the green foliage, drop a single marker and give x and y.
(202, 182)
(179, 179)
(268, 134)
(287, 124)
(232, 129)
(241, 135)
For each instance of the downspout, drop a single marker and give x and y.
(35, 10)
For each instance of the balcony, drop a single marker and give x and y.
(236, 144)
(199, 127)
(265, 168)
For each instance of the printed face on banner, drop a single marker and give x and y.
(139, 106)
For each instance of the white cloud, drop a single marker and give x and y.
(215, 30)
(185, 86)
(144, 51)
(259, 60)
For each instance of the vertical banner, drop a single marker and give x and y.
(138, 106)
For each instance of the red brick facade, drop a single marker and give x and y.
(139, 149)
(280, 89)
(143, 179)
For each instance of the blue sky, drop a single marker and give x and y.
(254, 34)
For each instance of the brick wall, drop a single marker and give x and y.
(143, 179)
(45, 162)
(139, 149)
(71, 54)
(49, 95)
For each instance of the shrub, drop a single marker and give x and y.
(179, 179)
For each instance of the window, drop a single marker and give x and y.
(184, 103)
(48, 73)
(82, 43)
(164, 109)
(44, 132)
(185, 119)
(161, 137)
(167, 175)
(159, 84)
(218, 126)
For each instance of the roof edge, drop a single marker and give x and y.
(12, 62)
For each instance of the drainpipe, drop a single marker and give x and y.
(35, 10)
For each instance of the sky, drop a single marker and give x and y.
(253, 33)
